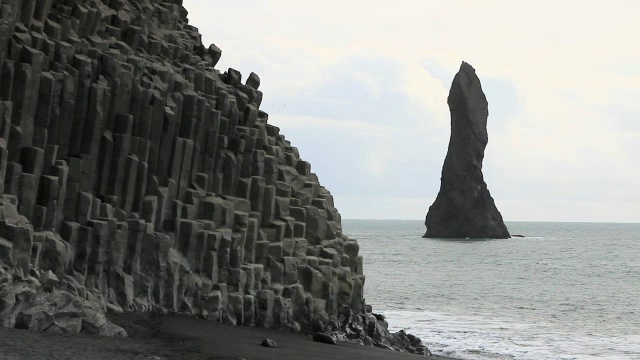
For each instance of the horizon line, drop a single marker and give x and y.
(507, 221)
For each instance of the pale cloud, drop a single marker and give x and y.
(372, 141)
(379, 158)
(427, 95)
(375, 206)
(362, 89)
(361, 127)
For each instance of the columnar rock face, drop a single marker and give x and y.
(135, 176)
(464, 208)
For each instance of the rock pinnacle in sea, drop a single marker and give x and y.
(464, 207)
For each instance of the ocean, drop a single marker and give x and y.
(564, 291)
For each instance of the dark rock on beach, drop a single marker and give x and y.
(324, 338)
(269, 343)
(464, 207)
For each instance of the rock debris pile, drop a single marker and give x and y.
(136, 177)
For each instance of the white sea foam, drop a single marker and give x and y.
(485, 338)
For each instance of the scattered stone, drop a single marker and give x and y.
(269, 343)
(324, 338)
(464, 207)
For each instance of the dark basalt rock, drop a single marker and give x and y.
(464, 207)
(324, 338)
(135, 176)
(269, 343)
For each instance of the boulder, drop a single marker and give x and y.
(49, 280)
(324, 338)
(269, 343)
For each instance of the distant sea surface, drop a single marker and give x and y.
(565, 291)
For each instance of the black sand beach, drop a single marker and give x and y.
(176, 337)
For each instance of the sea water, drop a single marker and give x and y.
(564, 291)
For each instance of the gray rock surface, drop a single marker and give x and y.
(464, 207)
(134, 176)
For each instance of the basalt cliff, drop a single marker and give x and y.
(134, 176)
(464, 207)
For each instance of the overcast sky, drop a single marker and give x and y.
(362, 89)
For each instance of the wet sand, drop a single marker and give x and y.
(174, 337)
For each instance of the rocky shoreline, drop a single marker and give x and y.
(175, 337)
(134, 176)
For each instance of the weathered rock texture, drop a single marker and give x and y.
(464, 208)
(134, 176)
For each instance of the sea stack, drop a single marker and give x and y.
(464, 207)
